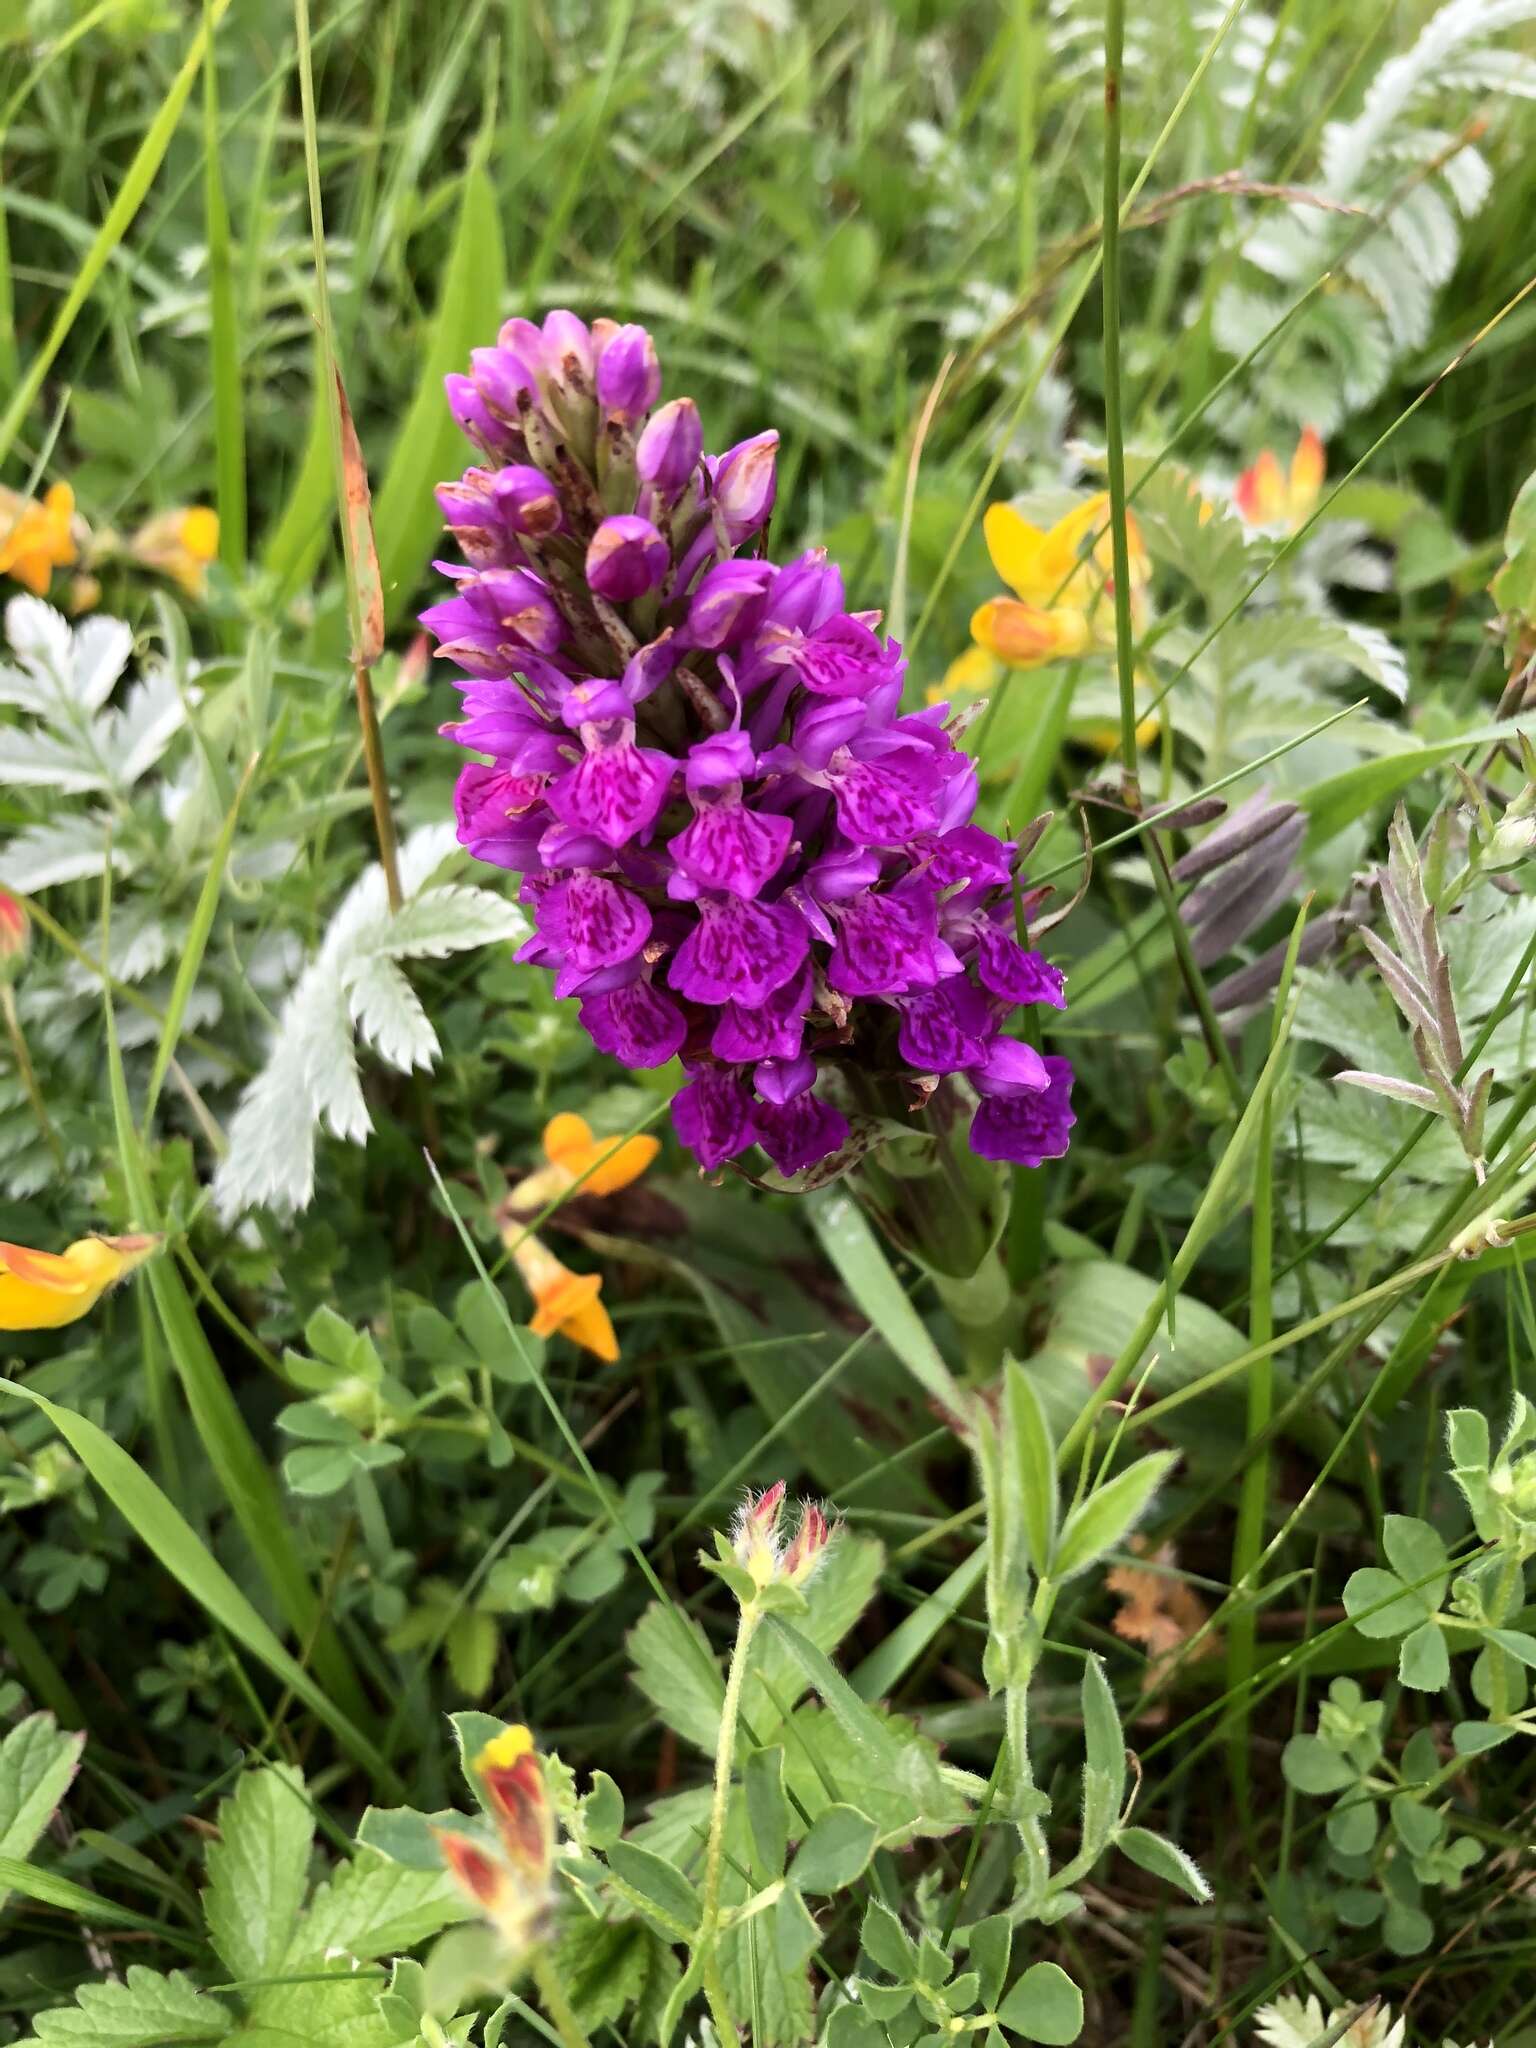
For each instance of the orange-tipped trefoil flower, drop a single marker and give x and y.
(1268, 496)
(577, 1162)
(46, 1290)
(510, 1885)
(757, 1540)
(37, 537)
(1063, 584)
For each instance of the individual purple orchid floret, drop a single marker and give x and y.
(736, 848)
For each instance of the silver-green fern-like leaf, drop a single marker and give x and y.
(354, 987)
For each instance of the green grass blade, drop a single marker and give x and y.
(429, 445)
(223, 333)
(866, 1272)
(194, 946)
(1213, 1214)
(886, 1665)
(243, 1474)
(298, 538)
(162, 1527)
(49, 1889)
(131, 194)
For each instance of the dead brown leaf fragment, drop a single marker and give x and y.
(1159, 1609)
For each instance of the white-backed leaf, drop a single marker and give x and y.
(98, 657)
(41, 639)
(37, 1766)
(388, 1012)
(61, 760)
(451, 919)
(45, 855)
(258, 1871)
(146, 2010)
(134, 738)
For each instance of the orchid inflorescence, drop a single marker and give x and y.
(734, 844)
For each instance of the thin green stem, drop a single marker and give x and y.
(555, 2002)
(27, 1073)
(1194, 980)
(1114, 427)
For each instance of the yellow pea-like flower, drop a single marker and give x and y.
(179, 544)
(602, 1165)
(46, 1290)
(1063, 602)
(37, 538)
(566, 1304)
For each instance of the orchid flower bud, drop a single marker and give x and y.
(628, 374)
(726, 592)
(668, 451)
(569, 357)
(526, 500)
(746, 479)
(504, 381)
(625, 558)
(475, 418)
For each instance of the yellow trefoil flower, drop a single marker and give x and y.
(1063, 604)
(1265, 495)
(512, 1888)
(179, 544)
(976, 673)
(36, 539)
(46, 1290)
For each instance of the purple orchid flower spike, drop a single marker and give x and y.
(736, 848)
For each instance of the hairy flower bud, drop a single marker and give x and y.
(626, 557)
(15, 936)
(668, 451)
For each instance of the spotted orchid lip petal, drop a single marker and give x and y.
(736, 847)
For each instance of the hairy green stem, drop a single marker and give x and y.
(714, 1860)
(1506, 1599)
(556, 2004)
